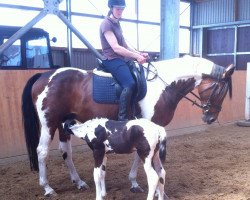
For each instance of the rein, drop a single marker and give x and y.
(184, 96)
(205, 107)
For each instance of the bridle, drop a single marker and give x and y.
(208, 105)
(204, 106)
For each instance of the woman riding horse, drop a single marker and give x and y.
(116, 54)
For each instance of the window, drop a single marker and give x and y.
(228, 45)
(12, 55)
(37, 53)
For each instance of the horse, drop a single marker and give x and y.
(51, 97)
(106, 136)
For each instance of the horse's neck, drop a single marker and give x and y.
(176, 78)
(171, 97)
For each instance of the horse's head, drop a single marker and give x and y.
(213, 89)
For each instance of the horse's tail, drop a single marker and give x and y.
(30, 122)
(163, 145)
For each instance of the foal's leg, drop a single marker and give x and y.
(152, 176)
(161, 174)
(135, 188)
(43, 152)
(66, 149)
(99, 177)
(103, 174)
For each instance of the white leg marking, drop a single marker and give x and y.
(103, 174)
(134, 170)
(161, 174)
(66, 147)
(152, 177)
(43, 152)
(97, 179)
(44, 142)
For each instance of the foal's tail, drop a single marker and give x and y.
(163, 145)
(30, 122)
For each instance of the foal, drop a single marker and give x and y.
(108, 136)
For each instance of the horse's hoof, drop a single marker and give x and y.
(137, 189)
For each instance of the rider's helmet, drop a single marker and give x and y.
(116, 3)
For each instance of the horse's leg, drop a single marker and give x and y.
(161, 174)
(43, 152)
(152, 177)
(66, 149)
(135, 188)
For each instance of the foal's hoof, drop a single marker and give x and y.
(136, 189)
(83, 186)
(52, 193)
(165, 197)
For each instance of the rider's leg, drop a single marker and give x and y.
(124, 104)
(121, 72)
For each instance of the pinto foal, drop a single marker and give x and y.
(109, 136)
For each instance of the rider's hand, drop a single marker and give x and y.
(141, 59)
(145, 55)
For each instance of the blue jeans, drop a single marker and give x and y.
(120, 71)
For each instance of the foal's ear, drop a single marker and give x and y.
(72, 122)
(67, 124)
(229, 71)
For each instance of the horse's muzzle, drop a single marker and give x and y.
(209, 119)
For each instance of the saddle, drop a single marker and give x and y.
(106, 90)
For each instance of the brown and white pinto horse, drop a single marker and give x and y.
(66, 93)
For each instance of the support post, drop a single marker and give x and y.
(246, 122)
(69, 33)
(170, 14)
(247, 103)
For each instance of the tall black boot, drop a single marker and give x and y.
(124, 104)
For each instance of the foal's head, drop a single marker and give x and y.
(213, 89)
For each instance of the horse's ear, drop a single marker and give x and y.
(229, 71)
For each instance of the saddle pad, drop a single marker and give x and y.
(107, 90)
(104, 90)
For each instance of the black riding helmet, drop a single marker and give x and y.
(118, 3)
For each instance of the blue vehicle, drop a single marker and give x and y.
(32, 50)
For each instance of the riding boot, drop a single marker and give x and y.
(124, 104)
